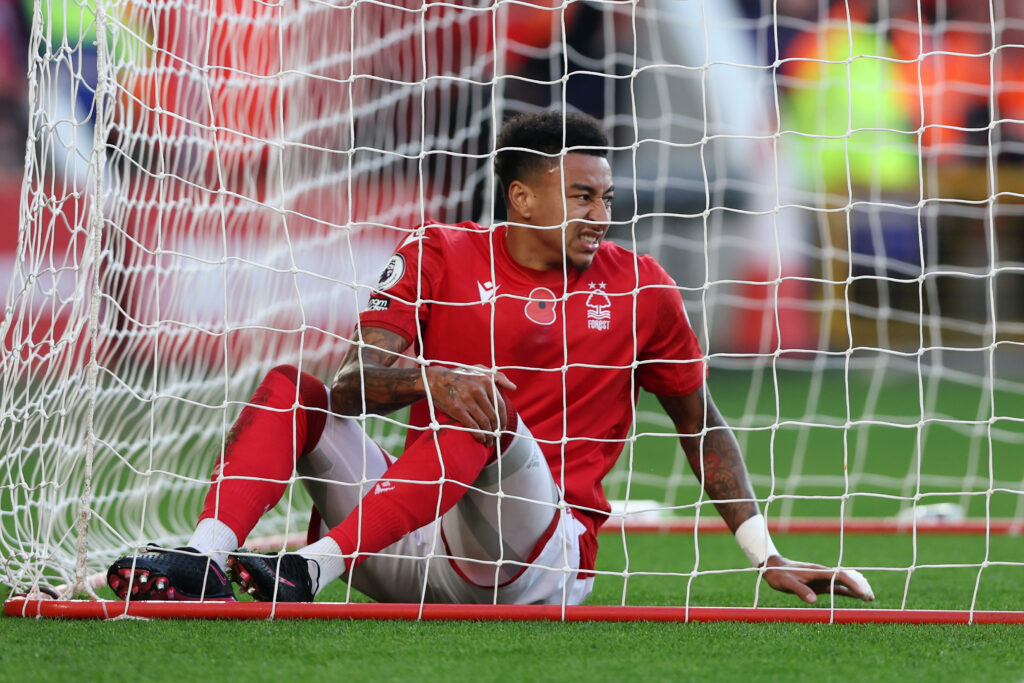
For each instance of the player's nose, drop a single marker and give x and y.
(599, 213)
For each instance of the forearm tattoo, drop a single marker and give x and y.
(716, 460)
(366, 382)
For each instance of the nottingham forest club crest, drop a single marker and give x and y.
(599, 314)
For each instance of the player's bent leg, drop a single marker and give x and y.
(337, 473)
(165, 574)
(392, 502)
(506, 517)
(509, 539)
(343, 467)
(428, 480)
(505, 541)
(346, 465)
(283, 421)
(418, 568)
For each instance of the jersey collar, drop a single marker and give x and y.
(552, 277)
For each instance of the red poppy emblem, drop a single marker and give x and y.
(541, 306)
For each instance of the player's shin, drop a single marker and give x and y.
(283, 420)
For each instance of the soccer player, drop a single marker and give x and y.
(530, 343)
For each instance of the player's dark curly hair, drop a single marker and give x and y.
(543, 132)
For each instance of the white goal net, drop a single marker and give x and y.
(212, 187)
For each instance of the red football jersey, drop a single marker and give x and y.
(578, 345)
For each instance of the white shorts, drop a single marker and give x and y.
(507, 541)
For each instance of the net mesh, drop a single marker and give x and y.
(212, 187)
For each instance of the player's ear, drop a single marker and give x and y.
(520, 199)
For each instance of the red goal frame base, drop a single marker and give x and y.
(114, 609)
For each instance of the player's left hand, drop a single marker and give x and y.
(469, 396)
(807, 581)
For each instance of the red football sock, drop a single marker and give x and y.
(423, 484)
(264, 444)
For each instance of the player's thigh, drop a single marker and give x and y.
(415, 569)
(342, 468)
(552, 577)
(506, 516)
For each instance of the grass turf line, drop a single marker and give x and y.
(454, 651)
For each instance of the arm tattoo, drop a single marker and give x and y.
(714, 455)
(366, 382)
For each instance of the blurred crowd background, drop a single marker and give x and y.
(930, 176)
(13, 112)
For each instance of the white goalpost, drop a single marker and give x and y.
(212, 188)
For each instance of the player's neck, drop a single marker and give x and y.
(527, 250)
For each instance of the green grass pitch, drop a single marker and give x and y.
(885, 440)
(385, 650)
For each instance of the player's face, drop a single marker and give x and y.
(573, 200)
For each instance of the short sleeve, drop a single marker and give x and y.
(400, 300)
(671, 360)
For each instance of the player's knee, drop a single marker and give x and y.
(312, 393)
(511, 424)
(511, 414)
(283, 373)
(287, 381)
(279, 383)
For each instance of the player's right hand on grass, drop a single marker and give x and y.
(807, 581)
(468, 397)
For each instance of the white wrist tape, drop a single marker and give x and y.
(755, 540)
